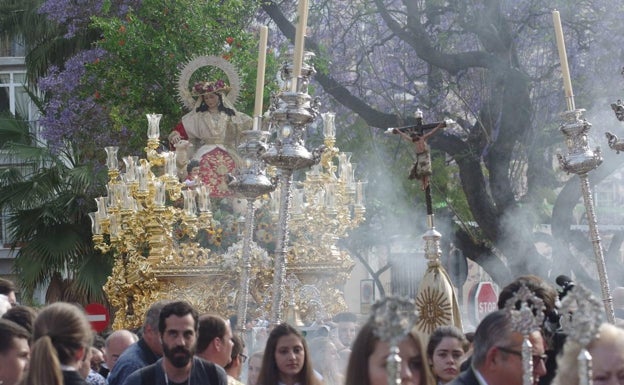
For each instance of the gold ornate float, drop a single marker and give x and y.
(163, 236)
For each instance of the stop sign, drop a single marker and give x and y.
(485, 300)
(98, 316)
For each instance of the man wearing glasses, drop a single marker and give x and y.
(497, 355)
(235, 368)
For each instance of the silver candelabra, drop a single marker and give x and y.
(291, 113)
(250, 181)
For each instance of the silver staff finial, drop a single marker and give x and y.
(526, 311)
(582, 316)
(527, 314)
(393, 318)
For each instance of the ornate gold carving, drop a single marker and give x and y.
(158, 252)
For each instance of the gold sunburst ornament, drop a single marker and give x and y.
(434, 308)
(185, 94)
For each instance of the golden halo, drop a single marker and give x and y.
(184, 88)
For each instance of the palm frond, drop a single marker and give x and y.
(55, 248)
(84, 179)
(63, 248)
(14, 191)
(14, 130)
(91, 276)
(10, 176)
(52, 48)
(26, 153)
(14, 14)
(33, 190)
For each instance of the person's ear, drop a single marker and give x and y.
(153, 331)
(492, 357)
(81, 354)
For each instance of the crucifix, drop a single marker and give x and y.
(436, 299)
(419, 134)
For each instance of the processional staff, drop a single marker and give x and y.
(436, 299)
(581, 160)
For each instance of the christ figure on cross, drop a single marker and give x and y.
(422, 166)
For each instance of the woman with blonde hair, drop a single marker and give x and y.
(61, 336)
(253, 367)
(607, 352)
(325, 360)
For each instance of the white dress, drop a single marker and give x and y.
(215, 136)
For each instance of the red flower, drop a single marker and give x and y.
(122, 29)
(122, 42)
(229, 40)
(227, 56)
(97, 94)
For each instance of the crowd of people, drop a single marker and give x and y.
(55, 345)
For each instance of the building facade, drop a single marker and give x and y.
(14, 100)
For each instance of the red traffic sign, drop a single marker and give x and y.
(485, 300)
(98, 316)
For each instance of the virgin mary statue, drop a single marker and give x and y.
(213, 127)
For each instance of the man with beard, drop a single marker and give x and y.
(178, 324)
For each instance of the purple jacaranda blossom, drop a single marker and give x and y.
(68, 80)
(70, 114)
(76, 14)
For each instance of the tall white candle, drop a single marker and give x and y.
(563, 58)
(302, 13)
(264, 33)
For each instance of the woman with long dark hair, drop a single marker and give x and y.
(445, 352)
(286, 359)
(367, 363)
